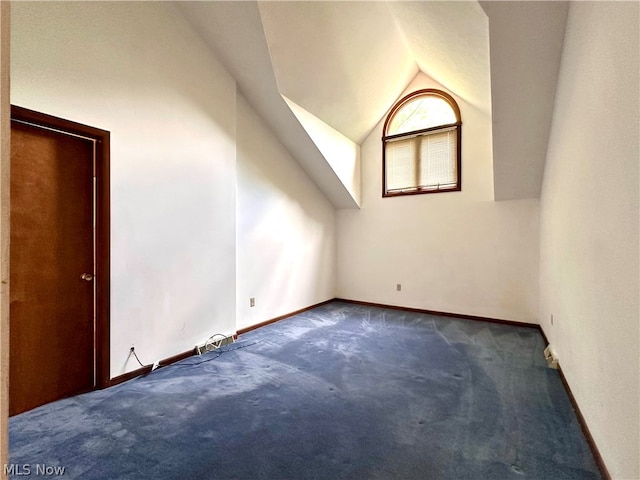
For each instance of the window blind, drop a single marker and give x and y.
(401, 164)
(426, 161)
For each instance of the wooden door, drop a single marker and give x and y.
(53, 334)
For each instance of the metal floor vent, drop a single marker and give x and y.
(214, 342)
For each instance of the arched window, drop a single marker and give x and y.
(421, 145)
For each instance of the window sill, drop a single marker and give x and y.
(457, 188)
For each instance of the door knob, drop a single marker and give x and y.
(87, 276)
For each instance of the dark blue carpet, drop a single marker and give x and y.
(341, 391)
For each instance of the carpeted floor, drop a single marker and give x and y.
(341, 391)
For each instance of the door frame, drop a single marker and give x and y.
(102, 228)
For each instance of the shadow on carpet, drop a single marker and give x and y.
(338, 392)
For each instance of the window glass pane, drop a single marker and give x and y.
(422, 112)
(400, 159)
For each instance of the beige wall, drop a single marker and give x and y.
(589, 226)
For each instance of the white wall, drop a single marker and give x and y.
(285, 228)
(341, 154)
(589, 226)
(456, 252)
(526, 47)
(139, 71)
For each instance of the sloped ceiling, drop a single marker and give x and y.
(346, 63)
(234, 32)
(526, 41)
(449, 42)
(343, 62)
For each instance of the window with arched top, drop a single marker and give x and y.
(421, 145)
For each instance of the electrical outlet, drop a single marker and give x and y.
(252, 302)
(398, 287)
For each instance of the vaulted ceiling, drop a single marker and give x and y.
(346, 63)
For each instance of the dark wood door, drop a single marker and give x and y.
(52, 331)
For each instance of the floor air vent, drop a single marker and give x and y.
(214, 342)
(551, 357)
